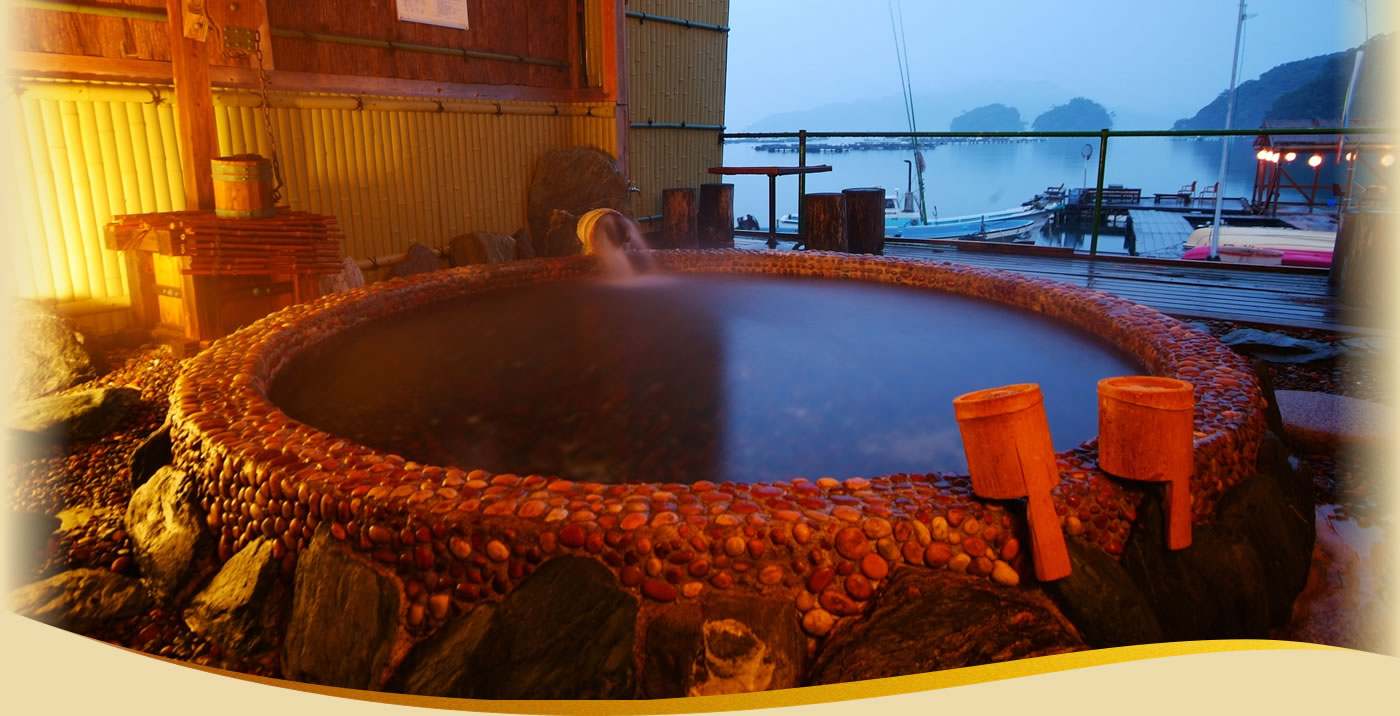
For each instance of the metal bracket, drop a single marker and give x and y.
(168, 291)
(240, 38)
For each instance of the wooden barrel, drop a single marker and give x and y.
(826, 221)
(1146, 426)
(678, 222)
(865, 220)
(243, 186)
(1009, 455)
(716, 216)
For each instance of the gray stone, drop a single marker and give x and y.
(346, 616)
(1102, 601)
(560, 235)
(1277, 347)
(929, 620)
(1215, 589)
(575, 181)
(49, 355)
(350, 276)
(418, 259)
(80, 600)
(566, 632)
(725, 644)
(85, 415)
(1320, 422)
(150, 456)
(481, 247)
(238, 610)
(168, 535)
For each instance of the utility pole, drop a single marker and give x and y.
(1225, 149)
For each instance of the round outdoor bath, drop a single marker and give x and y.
(471, 486)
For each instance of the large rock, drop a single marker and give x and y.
(724, 644)
(80, 600)
(1102, 601)
(418, 259)
(346, 613)
(350, 276)
(560, 237)
(1320, 422)
(49, 355)
(524, 245)
(150, 456)
(85, 415)
(575, 181)
(927, 620)
(566, 632)
(1278, 347)
(481, 247)
(168, 535)
(1215, 589)
(240, 609)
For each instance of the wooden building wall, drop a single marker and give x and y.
(404, 147)
(675, 74)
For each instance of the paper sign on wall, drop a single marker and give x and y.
(445, 13)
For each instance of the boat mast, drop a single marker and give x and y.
(1225, 149)
(901, 48)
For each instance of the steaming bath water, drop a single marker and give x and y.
(719, 377)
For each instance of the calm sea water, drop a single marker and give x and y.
(969, 178)
(679, 378)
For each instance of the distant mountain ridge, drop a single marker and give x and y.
(1314, 88)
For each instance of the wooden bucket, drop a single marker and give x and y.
(243, 187)
(1146, 433)
(1009, 455)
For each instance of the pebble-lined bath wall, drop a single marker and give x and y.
(458, 536)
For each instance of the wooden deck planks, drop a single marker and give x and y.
(1287, 297)
(1160, 234)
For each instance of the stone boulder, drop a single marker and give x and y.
(574, 181)
(418, 259)
(481, 247)
(80, 600)
(1323, 422)
(1102, 601)
(566, 632)
(1278, 347)
(723, 644)
(169, 538)
(930, 620)
(85, 415)
(49, 355)
(346, 616)
(150, 456)
(524, 246)
(239, 609)
(350, 276)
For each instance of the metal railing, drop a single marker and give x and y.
(1103, 135)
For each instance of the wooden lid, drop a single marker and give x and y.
(1150, 391)
(996, 401)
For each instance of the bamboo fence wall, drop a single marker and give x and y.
(393, 171)
(675, 74)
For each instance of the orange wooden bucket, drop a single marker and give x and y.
(1009, 455)
(243, 187)
(1146, 426)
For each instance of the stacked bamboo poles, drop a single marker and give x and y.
(292, 242)
(394, 171)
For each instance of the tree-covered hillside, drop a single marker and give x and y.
(1079, 113)
(988, 118)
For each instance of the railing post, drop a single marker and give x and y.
(801, 183)
(1098, 193)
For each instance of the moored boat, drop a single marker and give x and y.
(1295, 246)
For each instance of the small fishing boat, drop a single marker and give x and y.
(975, 230)
(1259, 244)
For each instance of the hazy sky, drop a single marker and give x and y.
(1157, 57)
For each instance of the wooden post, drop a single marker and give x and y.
(194, 126)
(678, 223)
(826, 221)
(1145, 433)
(615, 73)
(715, 216)
(865, 220)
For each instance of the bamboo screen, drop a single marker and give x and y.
(675, 74)
(393, 171)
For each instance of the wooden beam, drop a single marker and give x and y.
(194, 110)
(81, 67)
(615, 74)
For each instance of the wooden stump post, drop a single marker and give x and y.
(865, 220)
(826, 222)
(678, 219)
(715, 217)
(1145, 433)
